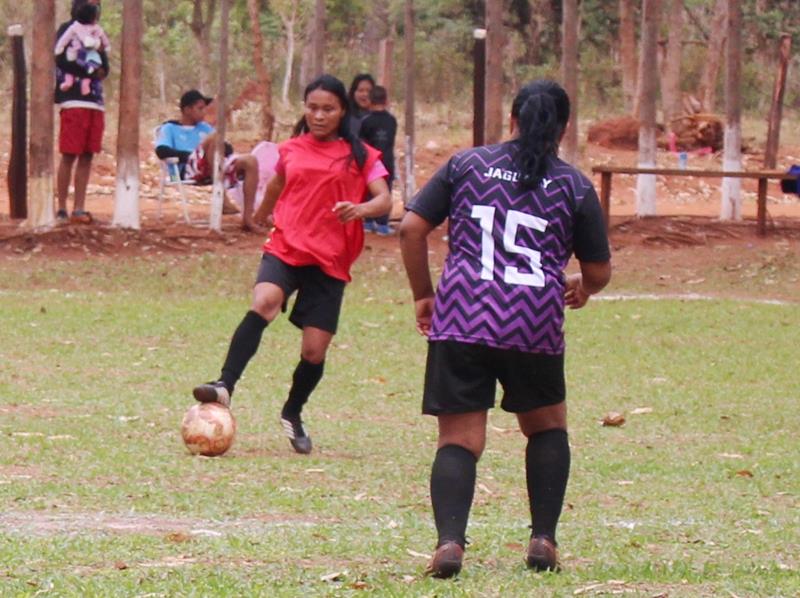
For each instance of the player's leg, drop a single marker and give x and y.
(462, 438)
(306, 376)
(316, 313)
(534, 389)
(273, 286)
(547, 463)
(459, 389)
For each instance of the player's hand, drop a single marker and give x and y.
(347, 210)
(574, 295)
(424, 311)
(264, 220)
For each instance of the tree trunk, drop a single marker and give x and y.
(707, 93)
(288, 25)
(376, 30)
(627, 53)
(569, 75)
(126, 200)
(262, 73)
(648, 86)
(732, 151)
(495, 41)
(40, 181)
(671, 76)
(200, 26)
(218, 193)
(408, 171)
(18, 157)
(318, 53)
(776, 108)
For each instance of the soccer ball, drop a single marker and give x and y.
(208, 429)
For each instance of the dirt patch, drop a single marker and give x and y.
(175, 529)
(29, 410)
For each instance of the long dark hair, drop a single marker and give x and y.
(332, 85)
(541, 110)
(351, 95)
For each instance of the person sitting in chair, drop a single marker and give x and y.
(193, 142)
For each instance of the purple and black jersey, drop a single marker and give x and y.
(503, 281)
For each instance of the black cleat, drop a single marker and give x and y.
(296, 433)
(213, 392)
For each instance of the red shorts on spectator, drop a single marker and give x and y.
(81, 131)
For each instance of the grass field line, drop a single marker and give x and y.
(686, 297)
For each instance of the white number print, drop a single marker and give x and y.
(515, 219)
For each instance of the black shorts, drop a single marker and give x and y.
(462, 377)
(319, 296)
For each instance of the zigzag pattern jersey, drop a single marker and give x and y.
(503, 280)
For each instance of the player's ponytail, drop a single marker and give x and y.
(332, 85)
(541, 110)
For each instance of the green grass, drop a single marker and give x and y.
(696, 495)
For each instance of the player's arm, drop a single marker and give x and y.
(591, 250)
(274, 189)
(414, 231)
(593, 278)
(378, 205)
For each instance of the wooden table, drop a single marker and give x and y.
(762, 176)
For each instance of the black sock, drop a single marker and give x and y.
(244, 345)
(305, 379)
(547, 460)
(452, 489)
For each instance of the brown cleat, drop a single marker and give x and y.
(446, 561)
(542, 554)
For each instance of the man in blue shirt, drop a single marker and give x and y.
(192, 141)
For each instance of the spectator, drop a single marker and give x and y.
(379, 129)
(82, 112)
(358, 97)
(192, 141)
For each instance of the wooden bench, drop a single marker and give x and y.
(762, 176)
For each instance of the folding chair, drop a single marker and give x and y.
(170, 176)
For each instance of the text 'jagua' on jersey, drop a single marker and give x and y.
(509, 175)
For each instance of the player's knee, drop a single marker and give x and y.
(313, 354)
(265, 306)
(474, 445)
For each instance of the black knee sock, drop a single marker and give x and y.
(547, 460)
(244, 345)
(452, 489)
(305, 379)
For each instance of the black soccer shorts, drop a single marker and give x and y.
(462, 377)
(319, 296)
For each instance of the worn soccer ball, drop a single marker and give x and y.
(208, 429)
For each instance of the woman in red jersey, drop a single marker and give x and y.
(314, 202)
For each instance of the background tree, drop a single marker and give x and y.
(126, 201)
(627, 53)
(40, 181)
(318, 41)
(200, 25)
(570, 23)
(495, 39)
(648, 89)
(731, 207)
(671, 67)
(717, 36)
(263, 77)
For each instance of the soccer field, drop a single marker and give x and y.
(697, 494)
